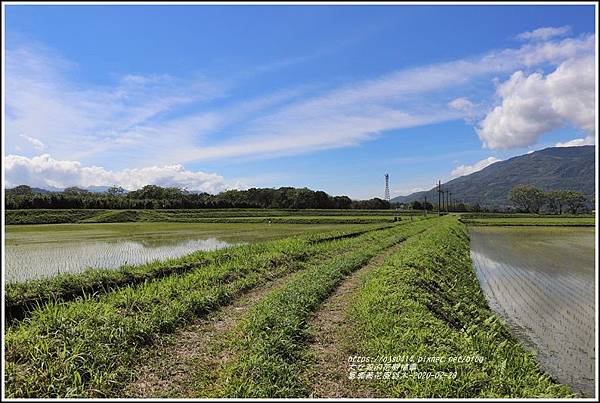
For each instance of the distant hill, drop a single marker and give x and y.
(549, 169)
(40, 190)
(97, 189)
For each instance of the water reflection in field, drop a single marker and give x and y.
(541, 281)
(27, 262)
(34, 251)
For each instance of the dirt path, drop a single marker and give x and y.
(329, 345)
(171, 368)
(174, 367)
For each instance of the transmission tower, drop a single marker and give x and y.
(387, 188)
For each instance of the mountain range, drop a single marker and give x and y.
(549, 169)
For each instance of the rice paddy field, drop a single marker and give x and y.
(520, 221)
(541, 280)
(286, 305)
(35, 251)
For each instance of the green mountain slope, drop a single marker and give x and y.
(549, 169)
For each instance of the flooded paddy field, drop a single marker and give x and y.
(541, 281)
(35, 251)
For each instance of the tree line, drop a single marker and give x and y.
(524, 198)
(454, 206)
(530, 199)
(157, 197)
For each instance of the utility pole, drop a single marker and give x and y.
(439, 197)
(425, 206)
(446, 192)
(450, 199)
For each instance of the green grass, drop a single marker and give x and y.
(40, 216)
(85, 347)
(53, 216)
(569, 221)
(269, 342)
(22, 297)
(425, 301)
(165, 231)
(522, 215)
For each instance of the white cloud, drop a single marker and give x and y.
(535, 104)
(588, 141)
(463, 170)
(44, 171)
(350, 115)
(465, 106)
(37, 144)
(545, 33)
(75, 119)
(461, 104)
(160, 119)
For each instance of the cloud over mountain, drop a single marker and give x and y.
(535, 104)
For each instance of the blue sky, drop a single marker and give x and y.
(328, 97)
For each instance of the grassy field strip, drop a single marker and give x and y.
(84, 347)
(56, 216)
(13, 217)
(23, 297)
(170, 369)
(532, 221)
(268, 344)
(425, 301)
(283, 220)
(327, 372)
(523, 215)
(261, 216)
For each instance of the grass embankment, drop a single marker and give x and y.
(43, 216)
(21, 298)
(86, 347)
(567, 221)
(282, 220)
(425, 301)
(56, 216)
(268, 344)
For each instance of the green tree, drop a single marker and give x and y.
(342, 202)
(20, 190)
(527, 198)
(574, 201)
(155, 192)
(74, 190)
(556, 200)
(115, 191)
(416, 205)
